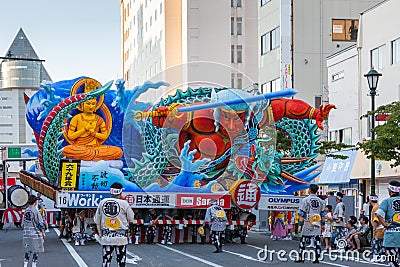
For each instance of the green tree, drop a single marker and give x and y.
(386, 145)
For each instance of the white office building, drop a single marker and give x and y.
(297, 36)
(218, 37)
(378, 46)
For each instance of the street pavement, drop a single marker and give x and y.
(60, 253)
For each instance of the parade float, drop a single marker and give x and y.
(176, 153)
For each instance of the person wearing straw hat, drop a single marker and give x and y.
(388, 215)
(112, 218)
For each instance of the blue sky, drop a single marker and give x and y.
(75, 37)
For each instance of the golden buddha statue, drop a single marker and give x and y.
(87, 131)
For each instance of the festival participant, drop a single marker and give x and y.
(151, 218)
(389, 216)
(327, 233)
(289, 225)
(279, 231)
(112, 218)
(42, 209)
(213, 130)
(377, 231)
(79, 228)
(167, 228)
(339, 217)
(62, 223)
(33, 232)
(87, 132)
(215, 215)
(311, 211)
(136, 228)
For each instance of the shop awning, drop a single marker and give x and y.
(337, 171)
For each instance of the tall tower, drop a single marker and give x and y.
(21, 72)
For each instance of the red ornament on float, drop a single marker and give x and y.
(245, 194)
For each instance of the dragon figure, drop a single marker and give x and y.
(215, 135)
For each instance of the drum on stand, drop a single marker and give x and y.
(18, 196)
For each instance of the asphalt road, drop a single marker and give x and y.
(60, 253)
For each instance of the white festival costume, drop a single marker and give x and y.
(114, 215)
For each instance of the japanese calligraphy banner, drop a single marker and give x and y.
(336, 170)
(201, 201)
(69, 174)
(278, 202)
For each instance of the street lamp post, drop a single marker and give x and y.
(372, 77)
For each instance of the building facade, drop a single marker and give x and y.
(348, 89)
(21, 73)
(198, 42)
(297, 36)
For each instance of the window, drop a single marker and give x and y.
(239, 54)
(194, 32)
(232, 3)
(270, 41)
(151, 21)
(239, 26)
(264, 88)
(232, 54)
(194, 4)
(396, 51)
(233, 80)
(161, 8)
(239, 3)
(275, 38)
(232, 25)
(239, 80)
(155, 15)
(337, 76)
(263, 2)
(272, 86)
(378, 57)
(317, 101)
(341, 136)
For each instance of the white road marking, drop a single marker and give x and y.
(244, 256)
(73, 252)
(191, 256)
(133, 259)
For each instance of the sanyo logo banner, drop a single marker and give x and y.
(276, 202)
(79, 199)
